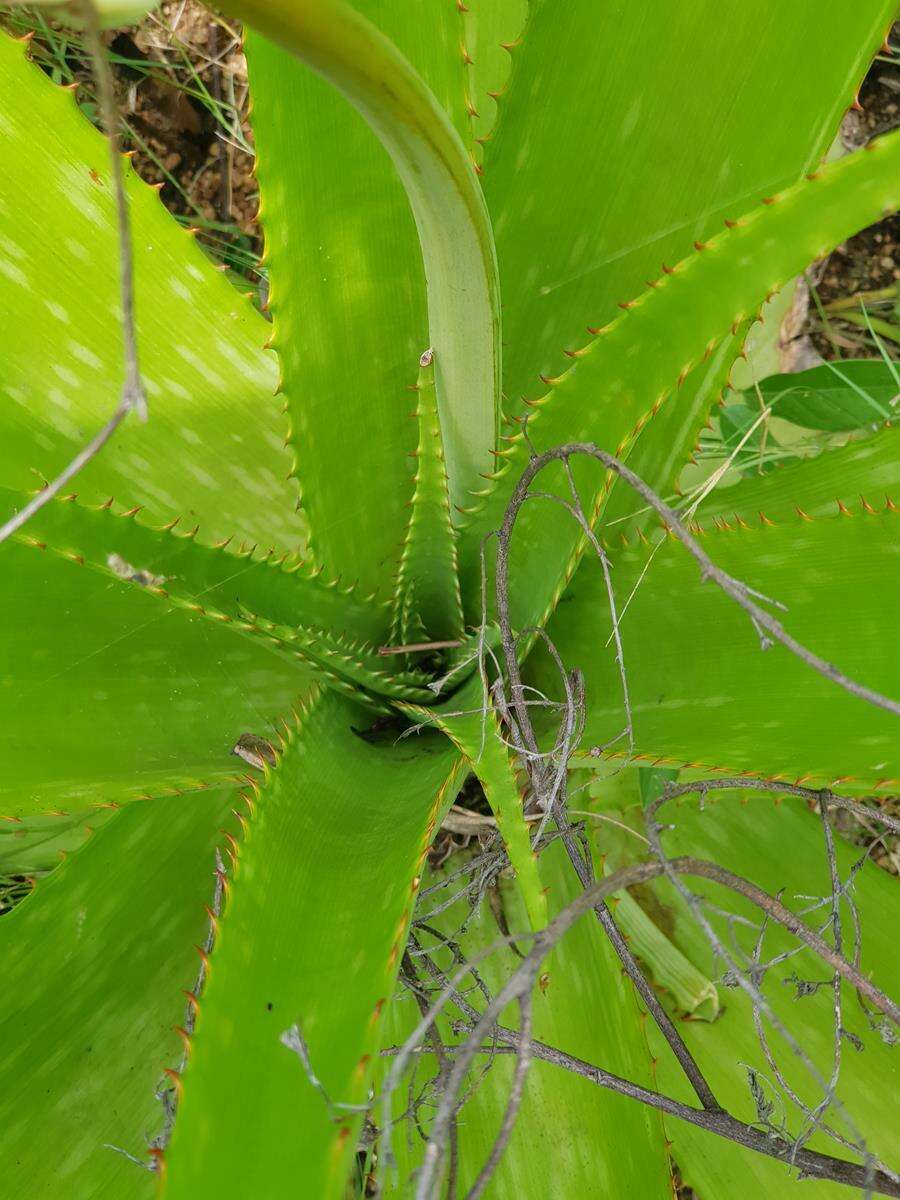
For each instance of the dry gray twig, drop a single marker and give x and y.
(523, 979)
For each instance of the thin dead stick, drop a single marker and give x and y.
(133, 397)
(745, 981)
(739, 592)
(578, 512)
(808, 1163)
(758, 970)
(419, 647)
(434, 1037)
(410, 1046)
(513, 1103)
(746, 1135)
(580, 861)
(524, 978)
(815, 1117)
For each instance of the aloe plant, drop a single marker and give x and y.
(473, 213)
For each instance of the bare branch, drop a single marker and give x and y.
(522, 981)
(444, 1064)
(580, 861)
(523, 1060)
(746, 980)
(738, 591)
(419, 647)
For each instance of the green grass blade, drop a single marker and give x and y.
(212, 449)
(93, 964)
(311, 935)
(636, 364)
(427, 601)
(594, 173)
(703, 691)
(350, 308)
(111, 12)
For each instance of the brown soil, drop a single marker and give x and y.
(181, 81)
(215, 176)
(870, 261)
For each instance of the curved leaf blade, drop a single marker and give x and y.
(325, 880)
(702, 690)
(350, 311)
(594, 174)
(865, 472)
(427, 600)
(114, 696)
(93, 965)
(284, 605)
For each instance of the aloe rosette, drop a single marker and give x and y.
(467, 208)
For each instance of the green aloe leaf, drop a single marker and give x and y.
(474, 727)
(310, 937)
(693, 993)
(35, 846)
(93, 964)
(594, 174)
(490, 34)
(660, 454)
(865, 472)
(777, 846)
(114, 696)
(212, 450)
(703, 691)
(836, 397)
(350, 308)
(635, 364)
(229, 577)
(282, 603)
